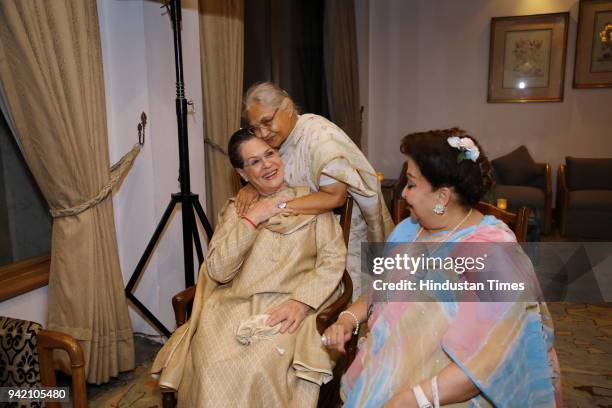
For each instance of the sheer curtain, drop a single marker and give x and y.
(52, 80)
(221, 50)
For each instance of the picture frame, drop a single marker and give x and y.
(527, 58)
(593, 57)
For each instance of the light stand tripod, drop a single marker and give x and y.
(189, 201)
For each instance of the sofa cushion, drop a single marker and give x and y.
(589, 174)
(591, 200)
(518, 196)
(516, 168)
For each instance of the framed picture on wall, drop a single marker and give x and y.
(593, 63)
(527, 58)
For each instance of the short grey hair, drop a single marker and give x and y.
(266, 94)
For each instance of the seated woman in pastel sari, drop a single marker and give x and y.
(455, 353)
(252, 340)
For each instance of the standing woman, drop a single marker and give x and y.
(318, 154)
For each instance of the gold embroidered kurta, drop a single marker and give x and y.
(246, 273)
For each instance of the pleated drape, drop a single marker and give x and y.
(340, 49)
(52, 78)
(222, 54)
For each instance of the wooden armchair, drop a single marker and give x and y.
(28, 359)
(329, 395)
(399, 208)
(49, 340)
(518, 222)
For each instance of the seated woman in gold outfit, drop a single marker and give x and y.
(252, 339)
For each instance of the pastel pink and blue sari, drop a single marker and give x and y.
(504, 348)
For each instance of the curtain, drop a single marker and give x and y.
(340, 45)
(52, 79)
(221, 53)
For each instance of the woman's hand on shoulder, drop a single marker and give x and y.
(245, 197)
(339, 333)
(290, 314)
(266, 208)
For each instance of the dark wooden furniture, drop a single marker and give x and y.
(23, 276)
(399, 209)
(518, 222)
(537, 195)
(26, 356)
(329, 395)
(584, 198)
(49, 340)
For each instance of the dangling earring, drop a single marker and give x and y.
(439, 209)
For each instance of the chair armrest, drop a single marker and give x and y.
(522, 224)
(400, 183)
(548, 192)
(49, 340)
(562, 196)
(400, 210)
(181, 303)
(329, 315)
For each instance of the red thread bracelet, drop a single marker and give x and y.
(249, 221)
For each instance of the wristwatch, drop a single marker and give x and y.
(421, 398)
(282, 205)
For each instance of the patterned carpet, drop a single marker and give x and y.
(134, 389)
(584, 346)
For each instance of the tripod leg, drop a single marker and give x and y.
(152, 319)
(203, 220)
(188, 225)
(150, 246)
(198, 244)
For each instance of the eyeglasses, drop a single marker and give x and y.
(265, 123)
(257, 161)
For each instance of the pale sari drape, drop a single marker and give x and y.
(317, 147)
(52, 80)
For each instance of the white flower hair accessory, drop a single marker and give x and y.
(467, 147)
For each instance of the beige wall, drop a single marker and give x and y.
(427, 67)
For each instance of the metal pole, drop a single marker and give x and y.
(181, 113)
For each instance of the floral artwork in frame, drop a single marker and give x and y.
(527, 58)
(593, 61)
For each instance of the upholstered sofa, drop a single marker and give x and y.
(584, 198)
(524, 182)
